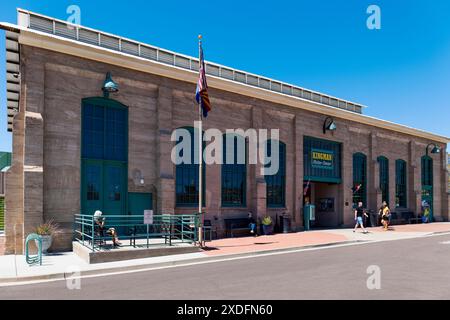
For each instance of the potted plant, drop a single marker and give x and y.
(267, 225)
(46, 231)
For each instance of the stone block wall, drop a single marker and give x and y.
(44, 180)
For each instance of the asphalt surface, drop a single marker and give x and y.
(410, 269)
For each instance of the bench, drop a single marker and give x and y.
(401, 217)
(99, 234)
(236, 224)
(415, 220)
(209, 230)
(164, 228)
(407, 216)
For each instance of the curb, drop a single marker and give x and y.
(63, 275)
(206, 259)
(440, 232)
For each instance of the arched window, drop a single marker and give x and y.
(400, 184)
(234, 171)
(384, 178)
(427, 180)
(359, 178)
(427, 171)
(187, 177)
(276, 184)
(104, 156)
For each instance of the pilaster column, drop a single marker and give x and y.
(259, 198)
(373, 176)
(445, 191)
(33, 75)
(414, 183)
(165, 168)
(299, 173)
(14, 190)
(347, 217)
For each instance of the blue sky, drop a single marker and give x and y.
(401, 72)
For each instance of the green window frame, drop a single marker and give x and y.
(187, 178)
(104, 154)
(104, 130)
(359, 178)
(234, 176)
(427, 171)
(400, 184)
(384, 178)
(276, 184)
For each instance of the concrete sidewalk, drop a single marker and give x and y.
(14, 269)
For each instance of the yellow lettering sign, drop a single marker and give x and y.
(322, 156)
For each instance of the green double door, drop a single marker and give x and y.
(104, 187)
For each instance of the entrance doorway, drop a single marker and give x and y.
(427, 187)
(103, 187)
(325, 198)
(104, 155)
(427, 202)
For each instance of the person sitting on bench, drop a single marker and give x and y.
(100, 222)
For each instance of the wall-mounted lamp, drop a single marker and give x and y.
(138, 178)
(435, 149)
(329, 124)
(109, 86)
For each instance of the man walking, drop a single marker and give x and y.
(359, 213)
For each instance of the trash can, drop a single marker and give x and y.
(308, 215)
(373, 218)
(285, 223)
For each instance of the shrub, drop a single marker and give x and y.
(267, 221)
(48, 228)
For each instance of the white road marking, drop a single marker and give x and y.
(250, 256)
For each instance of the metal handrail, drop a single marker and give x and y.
(170, 227)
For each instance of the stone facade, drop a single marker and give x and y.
(44, 180)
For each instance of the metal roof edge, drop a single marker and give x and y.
(319, 108)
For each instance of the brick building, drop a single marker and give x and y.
(448, 169)
(75, 150)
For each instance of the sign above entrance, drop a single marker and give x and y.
(322, 159)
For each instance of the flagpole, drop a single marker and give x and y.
(200, 153)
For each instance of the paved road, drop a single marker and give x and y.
(410, 269)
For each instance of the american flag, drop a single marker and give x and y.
(305, 190)
(201, 93)
(356, 189)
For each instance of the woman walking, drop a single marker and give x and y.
(385, 213)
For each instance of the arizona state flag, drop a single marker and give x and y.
(201, 94)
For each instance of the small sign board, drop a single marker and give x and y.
(148, 216)
(312, 212)
(322, 159)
